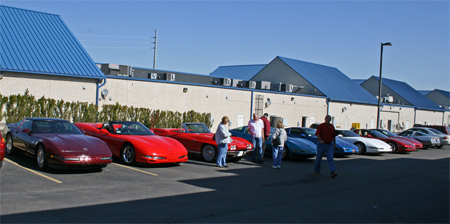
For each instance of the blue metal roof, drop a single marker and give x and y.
(424, 92)
(359, 81)
(410, 94)
(331, 82)
(243, 72)
(36, 42)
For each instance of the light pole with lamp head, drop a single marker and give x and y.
(380, 83)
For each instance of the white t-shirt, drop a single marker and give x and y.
(256, 127)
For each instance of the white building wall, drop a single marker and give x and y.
(345, 114)
(429, 117)
(55, 87)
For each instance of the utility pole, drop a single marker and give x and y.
(154, 52)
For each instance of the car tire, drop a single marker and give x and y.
(128, 154)
(41, 159)
(285, 153)
(361, 148)
(10, 149)
(394, 146)
(209, 153)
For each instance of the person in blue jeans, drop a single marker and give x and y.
(326, 134)
(277, 149)
(223, 137)
(256, 129)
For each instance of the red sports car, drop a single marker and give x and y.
(398, 145)
(417, 143)
(2, 150)
(133, 143)
(56, 143)
(197, 138)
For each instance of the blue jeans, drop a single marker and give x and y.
(277, 152)
(328, 150)
(222, 154)
(257, 149)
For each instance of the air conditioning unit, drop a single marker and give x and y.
(170, 76)
(289, 88)
(215, 81)
(388, 99)
(251, 84)
(114, 66)
(263, 85)
(235, 82)
(276, 87)
(225, 82)
(242, 84)
(153, 75)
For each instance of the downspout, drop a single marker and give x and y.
(328, 106)
(443, 117)
(251, 107)
(97, 94)
(415, 114)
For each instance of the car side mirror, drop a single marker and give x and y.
(26, 130)
(302, 135)
(340, 135)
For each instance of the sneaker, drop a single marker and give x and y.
(278, 167)
(225, 166)
(274, 167)
(333, 174)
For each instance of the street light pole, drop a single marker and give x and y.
(380, 83)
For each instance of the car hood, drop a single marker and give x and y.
(76, 144)
(302, 143)
(154, 143)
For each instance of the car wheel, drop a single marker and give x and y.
(394, 146)
(285, 153)
(361, 148)
(127, 154)
(10, 149)
(209, 153)
(41, 159)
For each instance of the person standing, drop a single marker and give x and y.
(326, 135)
(223, 137)
(278, 139)
(256, 129)
(266, 131)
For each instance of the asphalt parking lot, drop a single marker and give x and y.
(386, 188)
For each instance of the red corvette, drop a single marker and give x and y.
(397, 144)
(417, 143)
(2, 150)
(197, 138)
(55, 143)
(133, 143)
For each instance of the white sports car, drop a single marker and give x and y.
(365, 145)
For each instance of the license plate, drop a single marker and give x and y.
(240, 153)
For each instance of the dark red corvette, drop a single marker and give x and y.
(417, 143)
(397, 144)
(197, 138)
(132, 142)
(56, 143)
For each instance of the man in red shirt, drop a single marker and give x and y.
(326, 135)
(266, 131)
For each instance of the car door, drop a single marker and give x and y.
(21, 138)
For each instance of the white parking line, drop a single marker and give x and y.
(131, 168)
(40, 174)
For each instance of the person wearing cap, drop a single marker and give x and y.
(266, 134)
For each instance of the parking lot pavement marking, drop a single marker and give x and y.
(131, 168)
(40, 174)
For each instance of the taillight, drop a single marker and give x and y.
(445, 137)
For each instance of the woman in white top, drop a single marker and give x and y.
(223, 137)
(278, 139)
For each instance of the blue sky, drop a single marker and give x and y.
(199, 36)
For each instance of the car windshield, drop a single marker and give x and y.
(238, 129)
(54, 127)
(347, 133)
(197, 128)
(377, 134)
(436, 131)
(388, 133)
(129, 128)
(310, 131)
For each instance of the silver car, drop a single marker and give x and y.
(444, 138)
(426, 139)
